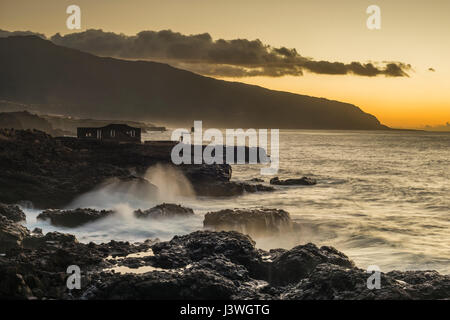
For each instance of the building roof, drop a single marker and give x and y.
(116, 126)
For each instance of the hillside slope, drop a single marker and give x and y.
(70, 82)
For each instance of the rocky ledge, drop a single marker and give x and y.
(164, 211)
(200, 265)
(12, 212)
(254, 222)
(81, 216)
(51, 172)
(304, 181)
(73, 218)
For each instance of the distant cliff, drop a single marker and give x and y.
(57, 125)
(66, 81)
(26, 120)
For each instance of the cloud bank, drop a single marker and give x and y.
(226, 58)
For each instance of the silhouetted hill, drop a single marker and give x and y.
(25, 120)
(67, 81)
(58, 125)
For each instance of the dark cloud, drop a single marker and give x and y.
(229, 58)
(431, 69)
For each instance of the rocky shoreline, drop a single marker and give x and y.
(51, 172)
(218, 262)
(201, 265)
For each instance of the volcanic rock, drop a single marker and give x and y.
(73, 218)
(305, 181)
(165, 210)
(12, 212)
(11, 234)
(250, 221)
(297, 263)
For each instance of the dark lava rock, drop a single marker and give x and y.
(223, 266)
(305, 181)
(298, 263)
(228, 189)
(12, 212)
(214, 181)
(159, 285)
(51, 238)
(184, 250)
(226, 265)
(333, 282)
(51, 172)
(165, 210)
(73, 218)
(202, 173)
(37, 231)
(254, 222)
(200, 265)
(424, 284)
(37, 268)
(11, 234)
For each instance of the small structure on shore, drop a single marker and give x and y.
(111, 132)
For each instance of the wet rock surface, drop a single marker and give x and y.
(37, 267)
(200, 265)
(11, 234)
(250, 221)
(165, 210)
(12, 212)
(73, 218)
(304, 181)
(298, 263)
(214, 181)
(199, 174)
(229, 189)
(51, 172)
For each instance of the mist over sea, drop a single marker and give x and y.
(382, 198)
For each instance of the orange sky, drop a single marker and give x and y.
(412, 31)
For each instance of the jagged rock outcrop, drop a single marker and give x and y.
(200, 265)
(255, 222)
(229, 267)
(51, 172)
(37, 267)
(228, 189)
(293, 265)
(304, 181)
(165, 210)
(73, 218)
(11, 234)
(12, 212)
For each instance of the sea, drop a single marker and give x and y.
(382, 198)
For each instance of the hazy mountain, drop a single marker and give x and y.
(25, 120)
(66, 81)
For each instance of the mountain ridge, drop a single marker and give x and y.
(71, 82)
